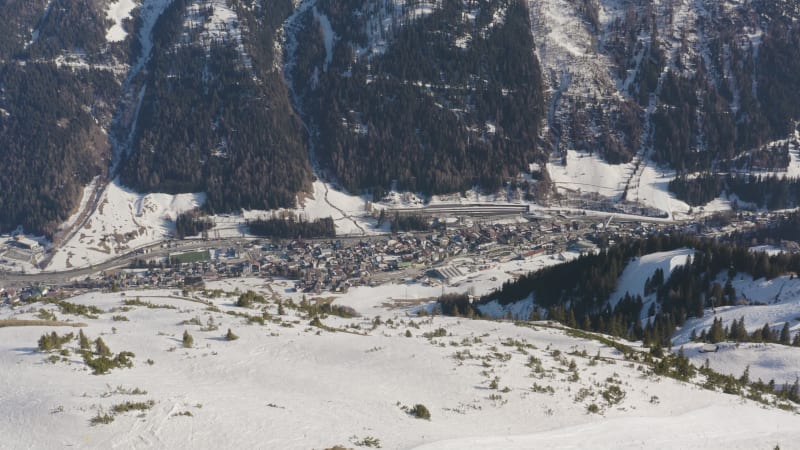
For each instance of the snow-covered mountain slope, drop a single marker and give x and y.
(775, 303)
(687, 430)
(661, 289)
(344, 381)
(624, 79)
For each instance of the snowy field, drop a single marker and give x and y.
(589, 173)
(116, 12)
(123, 221)
(289, 384)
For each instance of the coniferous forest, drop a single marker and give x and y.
(770, 192)
(52, 118)
(426, 114)
(212, 121)
(293, 228)
(584, 303)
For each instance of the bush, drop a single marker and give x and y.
(103, 364)
(613, 395)
(101, 348)
(83, 341)
(188, 340)
(230, 336)
(420, 411)
(53, 341)
(439, 332)
(132, 406)
(101, 418)
(247, 299)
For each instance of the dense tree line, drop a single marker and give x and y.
(292, 228)
(577, 292)
(411, 222)
(698, 190)
(771, 192)
(784, 228)
(736, 331)
(191, 224)
(426, 114)
(212, 121)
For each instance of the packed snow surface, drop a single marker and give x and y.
(589, 173)
(739, 430)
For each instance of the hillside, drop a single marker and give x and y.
(214, 114)
(675, 292)
(57, 91)
(654, 108)
(435, 97)
(174, 96)
(291, 381)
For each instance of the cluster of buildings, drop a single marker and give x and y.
(336, 265)
(13, 296)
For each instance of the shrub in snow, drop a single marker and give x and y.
(420, 411)
(188, 340)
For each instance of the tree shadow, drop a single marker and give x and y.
(26, 350)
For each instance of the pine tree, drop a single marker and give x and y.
(228, 336)
(101, 348)
(83, 341)
(717, 333)
(766, 333)
(739, 331)
(785, 334)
